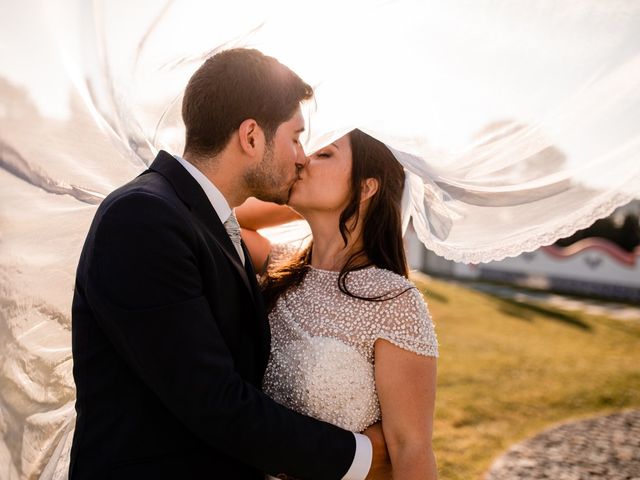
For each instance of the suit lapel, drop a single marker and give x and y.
(190, 192)
(262, 314)
(212, 222)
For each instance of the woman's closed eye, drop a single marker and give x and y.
(323, 155)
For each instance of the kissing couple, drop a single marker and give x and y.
(202, 350)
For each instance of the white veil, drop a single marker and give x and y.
(517, 122)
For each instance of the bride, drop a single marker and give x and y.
(352, 339)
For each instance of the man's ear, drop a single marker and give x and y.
(251, 137)
(369, 189)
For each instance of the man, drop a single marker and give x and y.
(170, 337)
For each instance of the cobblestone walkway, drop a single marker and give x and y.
(605, 448)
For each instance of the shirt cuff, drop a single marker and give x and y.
(361, 460)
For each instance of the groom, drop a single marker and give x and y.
(170, 336)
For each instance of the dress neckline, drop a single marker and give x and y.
(337, 272)
(322, 270)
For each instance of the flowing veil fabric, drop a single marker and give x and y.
(517, 124)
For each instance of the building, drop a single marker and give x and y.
(592, 266)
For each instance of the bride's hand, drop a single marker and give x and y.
(380, 463)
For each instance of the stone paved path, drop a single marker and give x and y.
(606, 448)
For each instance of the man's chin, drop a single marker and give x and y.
(280, 198)
(283, 198)
(286, 195)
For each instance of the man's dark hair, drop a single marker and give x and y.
(235, 85)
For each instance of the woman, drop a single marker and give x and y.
(352, 339)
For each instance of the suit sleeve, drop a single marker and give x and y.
(144, 286)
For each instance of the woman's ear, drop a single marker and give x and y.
(251, 137)
(369, 189)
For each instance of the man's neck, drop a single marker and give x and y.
(227, 180)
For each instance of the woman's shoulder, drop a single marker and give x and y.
(384, 281)
(405, 318)
(389, 277)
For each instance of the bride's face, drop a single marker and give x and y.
(324, 183)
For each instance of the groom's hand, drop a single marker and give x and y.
(380, 463)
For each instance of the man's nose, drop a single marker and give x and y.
(302, 161)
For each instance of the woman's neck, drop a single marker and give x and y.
(329, 251)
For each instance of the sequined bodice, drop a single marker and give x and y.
(322, 351)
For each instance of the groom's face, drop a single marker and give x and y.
(271, 180)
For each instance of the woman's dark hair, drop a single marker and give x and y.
(235, 85)
(381, 230)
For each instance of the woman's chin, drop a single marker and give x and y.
(294, 197)
(293, 202)
(300, 200)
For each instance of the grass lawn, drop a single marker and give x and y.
(508, 370)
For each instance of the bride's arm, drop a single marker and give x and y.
(255, 214)
(406, 385)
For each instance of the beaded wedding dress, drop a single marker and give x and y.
(322, 346)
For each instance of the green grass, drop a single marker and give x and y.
(508, 370)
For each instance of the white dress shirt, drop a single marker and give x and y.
(218, 202)
(364, 450)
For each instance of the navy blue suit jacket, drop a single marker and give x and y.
(170, 345)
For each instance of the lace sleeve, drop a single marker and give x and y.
(408, 324)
